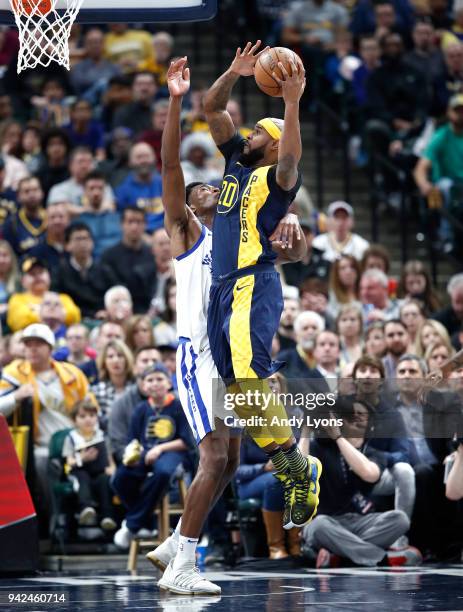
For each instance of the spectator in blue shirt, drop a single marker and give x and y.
(104, 224)
(84, 131)
(143, 186)
(161, 428)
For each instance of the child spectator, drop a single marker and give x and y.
(162, 430)
(89, 462)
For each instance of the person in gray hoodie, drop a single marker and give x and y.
(122, 409)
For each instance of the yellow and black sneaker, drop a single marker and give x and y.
(306, 493)
(288, 492)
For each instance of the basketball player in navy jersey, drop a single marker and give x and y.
(189, 214)
(260, 182)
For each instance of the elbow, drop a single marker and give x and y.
(452, 493)
(371, 474)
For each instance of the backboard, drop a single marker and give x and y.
(131, 11)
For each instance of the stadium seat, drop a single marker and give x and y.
(61, 490)
(164, 511)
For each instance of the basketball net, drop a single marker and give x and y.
(43, 31)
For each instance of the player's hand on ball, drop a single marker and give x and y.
(292, 85)
(287, 232)
(245, 60)
(178, 78)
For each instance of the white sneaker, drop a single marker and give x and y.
(161, 556)
(87, 516)
(123, 536)
(144, 533)
(108, 524)
(187, 581)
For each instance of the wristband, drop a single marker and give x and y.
(340, 436)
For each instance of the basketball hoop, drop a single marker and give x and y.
(44, 31)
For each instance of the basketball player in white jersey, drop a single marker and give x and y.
(189, 214)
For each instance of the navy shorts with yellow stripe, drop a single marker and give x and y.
(243, 317)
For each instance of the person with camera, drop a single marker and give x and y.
(347, 525)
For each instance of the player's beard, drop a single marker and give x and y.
(250, 159)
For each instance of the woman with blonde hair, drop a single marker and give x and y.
(412, 316)
(115, 374)
(9, 275)
(436, 354)
(139, 332)
(429, 333)
(344, 282)
(349, 326)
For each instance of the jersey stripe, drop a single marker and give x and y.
(254, 197)
(240, 328)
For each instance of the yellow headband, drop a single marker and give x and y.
(271, 128)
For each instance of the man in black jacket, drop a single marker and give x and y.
(430, 425)
(130, 263)
(79, 276)
(397, 100)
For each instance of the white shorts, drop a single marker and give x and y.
(200, 389)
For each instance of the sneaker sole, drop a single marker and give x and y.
(156, 562)
(317, 493)
(178, 591)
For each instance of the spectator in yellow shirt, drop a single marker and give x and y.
(128, 48)
(23, 308)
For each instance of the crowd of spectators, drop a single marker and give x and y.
(87, 289)
(394, 70)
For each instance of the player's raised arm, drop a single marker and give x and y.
(290, 149)
(215, 103)
(173, 183)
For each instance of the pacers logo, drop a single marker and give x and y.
(228, 195)
(162, 428)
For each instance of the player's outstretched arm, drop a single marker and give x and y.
(215, 103)
(173, 183)
(290, 149)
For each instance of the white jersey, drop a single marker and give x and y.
(193, 271)
(200, 388)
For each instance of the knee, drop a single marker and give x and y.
(404, 472)
(213, 463)
(322, 522)
(401, 520)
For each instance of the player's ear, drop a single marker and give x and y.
(275, 145)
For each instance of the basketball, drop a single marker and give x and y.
(267, 64)
(32, 7)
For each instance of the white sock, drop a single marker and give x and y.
(186, 552)
(175, 536)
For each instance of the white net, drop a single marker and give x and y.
(44, 31)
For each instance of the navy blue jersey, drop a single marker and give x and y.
(250, 206)
(152, 425)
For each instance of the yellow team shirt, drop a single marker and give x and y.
(23, 309)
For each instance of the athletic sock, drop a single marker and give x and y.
(175, 536)
(279, 460)
(297, 462)
(186, 552)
